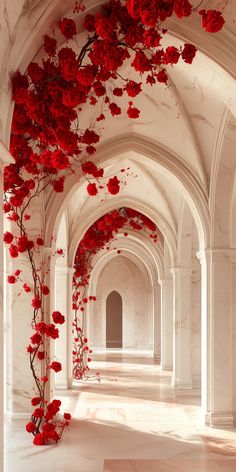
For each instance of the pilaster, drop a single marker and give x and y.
(182, 375)
(216, 337)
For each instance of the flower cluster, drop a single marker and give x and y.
(49, 142)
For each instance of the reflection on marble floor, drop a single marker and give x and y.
(133, 420)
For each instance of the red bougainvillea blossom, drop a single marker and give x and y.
(49, 142)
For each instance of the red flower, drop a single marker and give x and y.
(86, 75)
(24, 243)
(36, 302)
(118, 92)
(39, 440)
(104, 26)
(45, 290)
(68, 63)
(26, 288)
(89, 23)
(141, 63)
(212, 20)
(30, 427)
(182, 8)
(59, 160)
(151, 38)
(90, 137)
(134, 8)
(13, 251)
(49, 432)
(20, 85)
(92, 189)
(41, 355)
(35, 401)
(11, 279)
(35, 72)
(133, 88)
(188, 53)
(56, 366)
(113, 185)
(52, 409)
(67, 27)
(58, 185)
(38, 412)
(40, 241)
(114, 109)
(67, 416)
(36, 338)
(52, 331)
(162, 76)
(133, 112)
(58, 318)
(44, 379)
(171, 55)
(30, 349)
(41, 327)
(8, 237)
(17, 272)
(99, 89)
(7, 207)
(49, 45)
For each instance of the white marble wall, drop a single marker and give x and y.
(124, 276)
(233, 324)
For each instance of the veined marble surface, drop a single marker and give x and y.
(131, 421)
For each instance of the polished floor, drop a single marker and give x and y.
(132, 421)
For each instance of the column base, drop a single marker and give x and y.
(157, 356)
(166, 367)
(179, 385)
(62, 385)
(219, 420)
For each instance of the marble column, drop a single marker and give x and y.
(69, 321)
(182, 371)
(157, 321)
(48, 305)
(61, 304)
(166, 323)
(5, 158)
(216, 270)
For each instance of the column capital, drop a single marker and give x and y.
(181, 270)
(211, 253)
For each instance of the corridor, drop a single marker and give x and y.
(130, 421)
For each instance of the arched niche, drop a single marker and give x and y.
(114, 320)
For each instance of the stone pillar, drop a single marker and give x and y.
(166, 324)
(69, 321)
(5, 159)
(157, 322)
(48, 305)
(1, 329)
(61, 304)
(182, 372)
(216, 337)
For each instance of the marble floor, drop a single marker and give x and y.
(132, 421)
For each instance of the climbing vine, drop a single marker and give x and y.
(49, 143)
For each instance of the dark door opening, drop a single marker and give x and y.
(114, 320)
